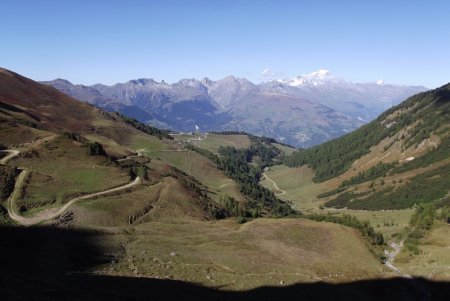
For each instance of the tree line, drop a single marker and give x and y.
(421, 222)
(376, 238)
(378, 170)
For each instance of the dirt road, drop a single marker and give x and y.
(47, 214)
(282, 192)
(12, 154)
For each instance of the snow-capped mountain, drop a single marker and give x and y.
(302, 111)
(317, 78)
(360, 100)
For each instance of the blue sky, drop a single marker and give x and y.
(402, 42)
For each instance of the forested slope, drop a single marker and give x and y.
(429, 110)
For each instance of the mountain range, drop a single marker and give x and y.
(302, 111)
(138, 204)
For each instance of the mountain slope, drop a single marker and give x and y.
(410, 142)
(229, 91)
(288, 118)
(43, 105)
(93, 96)
(184, 104)
(79, 92)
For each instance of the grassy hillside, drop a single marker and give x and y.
(262, 252)
(62, 168)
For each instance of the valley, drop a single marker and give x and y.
(225, 210)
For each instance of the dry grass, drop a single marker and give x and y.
(149, 143)
(167, 200)
(18, 135)
(200, 168)
(298, 184)
(116, 210)
(262, 252)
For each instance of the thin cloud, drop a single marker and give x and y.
(267, 73)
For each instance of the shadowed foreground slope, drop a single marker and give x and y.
(46, 264)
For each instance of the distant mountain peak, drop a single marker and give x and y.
(230, 77)
(62, 80)
(143, 81)
(207, 82)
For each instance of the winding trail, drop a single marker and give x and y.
(282, 192)
(48, 214)
(138, 152)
